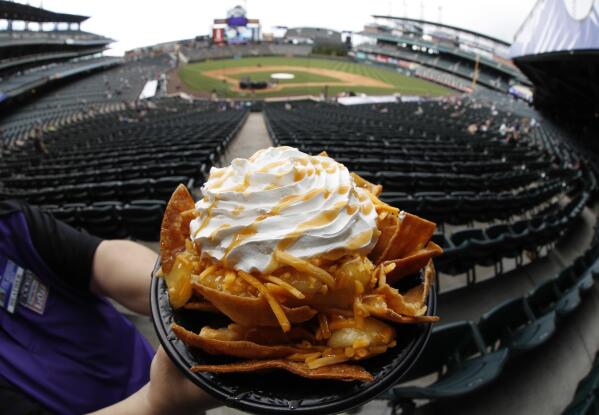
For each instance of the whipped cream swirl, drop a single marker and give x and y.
(282, 198)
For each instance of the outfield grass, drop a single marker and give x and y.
(192, 76)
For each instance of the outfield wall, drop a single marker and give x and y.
(239, 51)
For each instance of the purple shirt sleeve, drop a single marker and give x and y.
(67, 251)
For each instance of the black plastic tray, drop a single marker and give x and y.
(276, 392)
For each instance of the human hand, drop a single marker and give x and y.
(170, 392)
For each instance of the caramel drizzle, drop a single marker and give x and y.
(238, 238)
(343, 189)
(321, 219)
(214, 233)
(237, 210)
(241, 187)
(282, 204)
(272, 165)
(223, 177)
(207, 216)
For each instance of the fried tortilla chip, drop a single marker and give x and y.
(342, 372)
(238, 348)
(413, 302)
(175, 229)
(389, 227)
(274, 335)
(251, 311)
(413, 234)
(375, 189)
(390, 315)
(201, 306)
(419, 293)
(411, 264)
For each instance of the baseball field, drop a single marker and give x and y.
(310, 77)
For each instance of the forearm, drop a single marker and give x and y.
(122, 271)
(141, 403)
(137, 403)
(168, 392)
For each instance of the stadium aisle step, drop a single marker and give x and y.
(252, 137)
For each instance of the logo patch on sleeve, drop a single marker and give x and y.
(34, 293)
(11, 277)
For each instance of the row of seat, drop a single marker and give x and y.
(430, 166)
(465, 249)
(98, 91)
(586, 397)
(459, 208)
(419, 182)
(138, 219)
(143, 152)
(128, 190)
(425, 147)
(467, 356)
(194, 169)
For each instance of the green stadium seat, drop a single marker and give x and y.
(513, 325)
(569, 292)
(458, 354)
(543, 298)
(586, 406)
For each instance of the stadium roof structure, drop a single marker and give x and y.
(319, 35)
(463, 43)
(15, 11)
(444, 26)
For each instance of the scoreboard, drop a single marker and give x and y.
(236, 28)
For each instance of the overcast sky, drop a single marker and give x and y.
(135, 23)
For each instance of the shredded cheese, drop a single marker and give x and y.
(301, 357)
(190, 213)
(272, 302)
(230, 277)
(380, 205)
(184, 260)
(292, 290)
(390, 267)
(326, 361)
(304, 266)
(313, 357)
(207, 271)
(324, 326)
(382, 277)
(358, 313)
(342, 324)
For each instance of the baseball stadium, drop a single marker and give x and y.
(299, 208)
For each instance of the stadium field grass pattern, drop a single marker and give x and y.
(193, 76)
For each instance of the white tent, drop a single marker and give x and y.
(558, 25)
